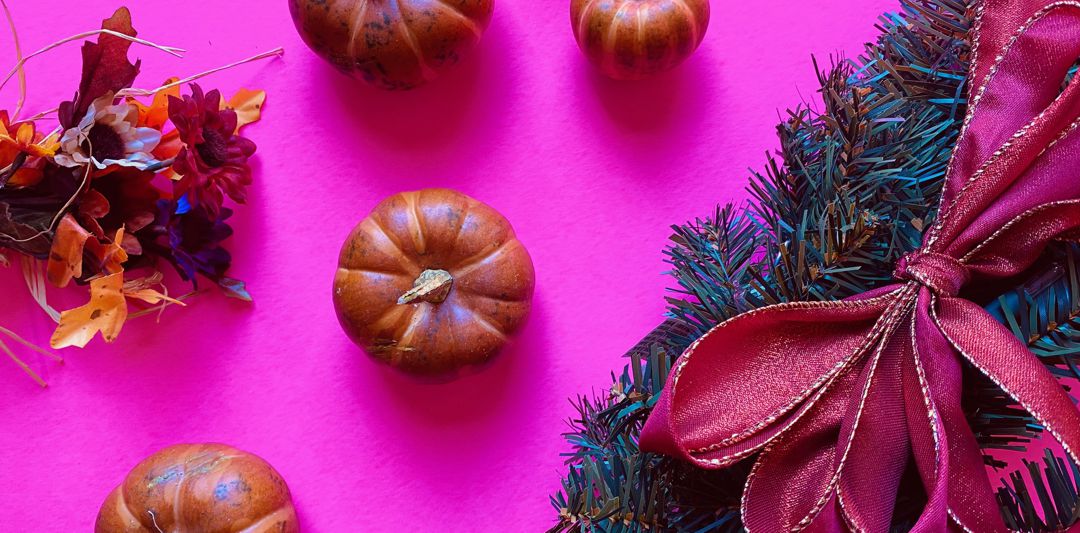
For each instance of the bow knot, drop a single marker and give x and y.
(941, 273)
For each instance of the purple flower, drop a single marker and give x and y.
(192, 238)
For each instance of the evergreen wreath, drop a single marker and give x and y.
(856, 185)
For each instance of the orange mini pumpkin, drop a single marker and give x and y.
(209, 488)
(634, 39)
(393, 44)
(433, 281)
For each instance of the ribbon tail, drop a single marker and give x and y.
(995, 352)
(875, 437)
(954, 474)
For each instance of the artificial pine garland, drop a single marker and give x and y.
(858, 184)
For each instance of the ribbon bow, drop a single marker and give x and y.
(838, 395)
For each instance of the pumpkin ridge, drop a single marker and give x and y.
(690, 19)
(454, 342)
(406, 33)
(474, 294)
(419, 314)
(613, 33)
(468, 22)
(394, 309)
(466, 210)
(582, 22)
(639, 44)
(208, 461)
(418, 238)
(257, 525)
(358, 24)
(122, 505)
(466, 267)
(374, 272)
(176, 498)
(484, 323)
(393, 241)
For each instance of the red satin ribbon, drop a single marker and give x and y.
(838, 395)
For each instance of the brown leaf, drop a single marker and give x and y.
(131, 245)
(105, 312)
(24, 231)
(105, 67)
(92, 206)
(66, 255)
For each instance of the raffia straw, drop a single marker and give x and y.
(171, 50)
(19, 59)
(160, 308)
(276, 52)
(43, 114)
(35, 281)
(15, 337)
(26, 368)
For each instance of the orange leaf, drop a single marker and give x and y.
(111, 255)
(157, 113)
(26, 177)
(25, 134)
(248, 106)
(47, 146)
(66, 255)
(106, 312)
(169, 146)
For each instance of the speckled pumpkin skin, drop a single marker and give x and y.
(393, 44)
(208, 488)
(433, 229)
(634, 39)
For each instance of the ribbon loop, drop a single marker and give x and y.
(944, 275)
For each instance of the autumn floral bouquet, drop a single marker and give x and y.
(121, 186)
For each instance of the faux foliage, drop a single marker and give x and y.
(853, 187)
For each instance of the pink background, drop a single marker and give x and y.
(590, 172)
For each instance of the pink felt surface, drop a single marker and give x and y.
(590, 172)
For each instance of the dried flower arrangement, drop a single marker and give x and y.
(121, 186)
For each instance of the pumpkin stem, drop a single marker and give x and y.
(432, 286)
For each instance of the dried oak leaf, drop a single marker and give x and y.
(105, 312)
(105, 68)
